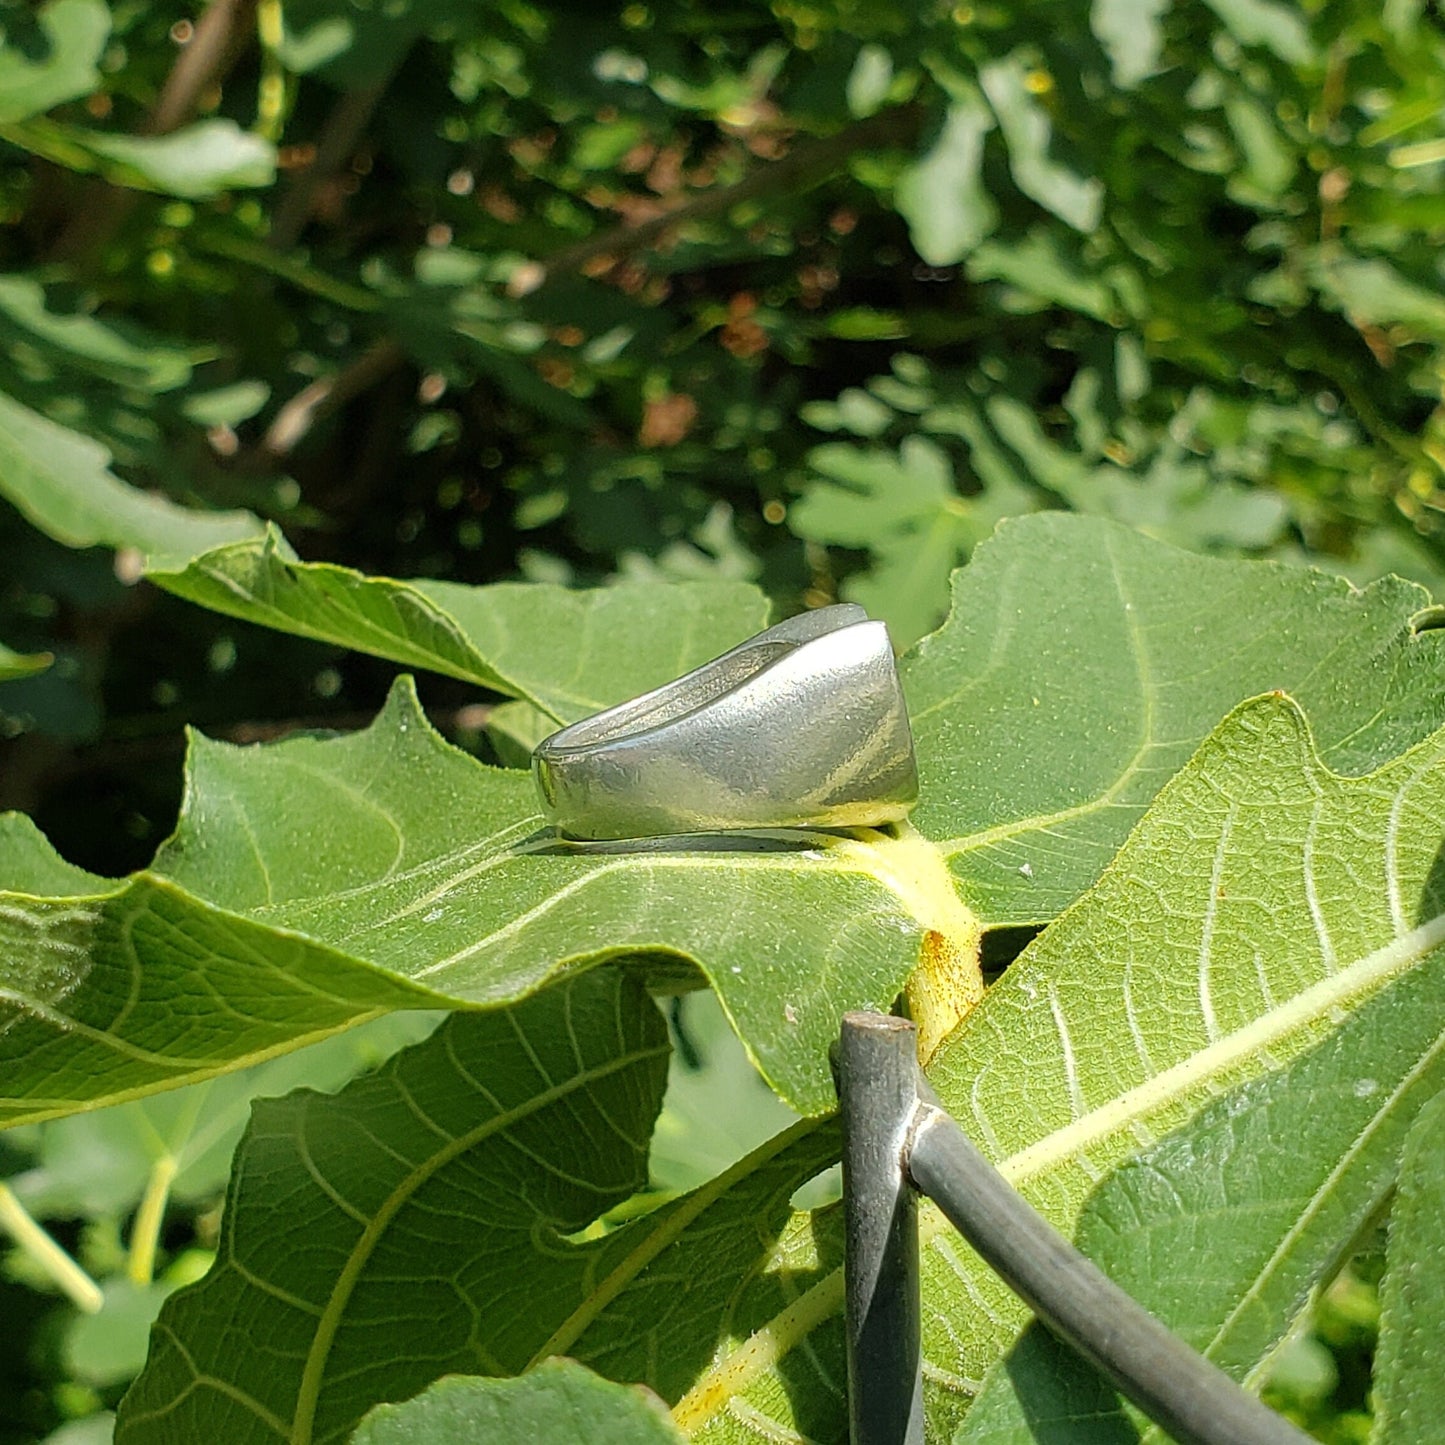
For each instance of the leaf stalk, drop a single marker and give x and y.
(146, 1232)
(63, 1271)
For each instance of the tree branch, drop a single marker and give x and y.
(221, 36)
(802, 168)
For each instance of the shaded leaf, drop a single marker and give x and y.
(869, 80)
(514, 729)
(61, 482)
(22, 664)
(1375, 291)
(226, 405)
(97, 1164)
(1269, 163)
(557, 1402)
(420, 1164)
(1131, 33)
(1277, 27)
(1172, 495)
(1040, 267)
(51, 57)
(360, 43)
(854, 411)
(89, 344)
(568, 652)
(1028, 132)
(1409, 1381)
(198, 160)
(109, 1347)
(903, 508)
(717, 1109)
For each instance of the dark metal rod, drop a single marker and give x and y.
(878, 1090)
(1197, 1403)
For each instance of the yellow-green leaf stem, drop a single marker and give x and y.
(149, 1217)
(948, 982)
(67, 1275)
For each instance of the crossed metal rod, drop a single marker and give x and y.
(897, 1141)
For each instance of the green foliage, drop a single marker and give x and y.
(434, 885)
(567, 346)
(1268, 927)
(61, 482)
(1339, 1113)
(517, 640)
(558, 1402)
(418, 1163)
(51, 57)
(1410, 1384)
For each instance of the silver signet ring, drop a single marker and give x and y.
(803, 725)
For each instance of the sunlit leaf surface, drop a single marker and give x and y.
(568, 652)
(1080, 666)
(1271, 928)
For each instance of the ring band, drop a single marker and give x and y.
(803, 725)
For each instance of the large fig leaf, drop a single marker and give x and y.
(487, 1147)
(21, 664)
(1259, 906)
(388, 871)
(1270, 930)
(1214, 1232)
(569, 652)
(1081, 665)
(425, 1221)
(314, 882)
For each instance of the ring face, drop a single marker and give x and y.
(803, 725)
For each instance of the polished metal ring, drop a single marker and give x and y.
(803, 725)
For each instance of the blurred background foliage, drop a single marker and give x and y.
(811, 292)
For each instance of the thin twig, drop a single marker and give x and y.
(220, 38)
(343, 128)
(317, 401)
